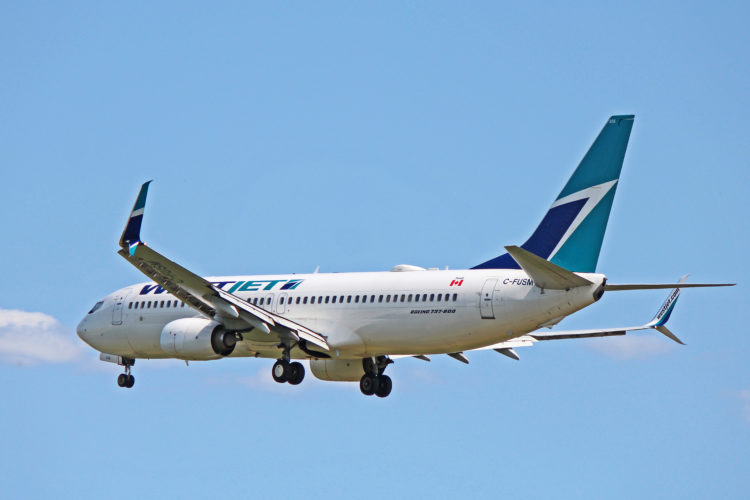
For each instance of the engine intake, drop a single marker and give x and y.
(196, 339)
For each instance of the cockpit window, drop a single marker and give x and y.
(96, 306)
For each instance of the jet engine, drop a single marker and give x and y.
(196, 339)
(342, 370)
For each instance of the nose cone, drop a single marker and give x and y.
(82, 330)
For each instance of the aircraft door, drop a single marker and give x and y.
(117, 311)
(485, 299)
(281, 305)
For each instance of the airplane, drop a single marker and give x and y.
(351, 326)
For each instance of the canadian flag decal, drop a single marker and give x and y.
(457, 282)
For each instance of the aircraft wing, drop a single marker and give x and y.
(202, 295)
(658, 323)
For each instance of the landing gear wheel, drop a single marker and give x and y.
(126, 379)
(385, 384)
(296, 373)
(368, 385)
(281, 371)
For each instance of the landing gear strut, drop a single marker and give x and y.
(373, 381)
(126, 379)
(284, 371)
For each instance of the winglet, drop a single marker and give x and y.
(544, 273)
(131, 236)
(665, 311)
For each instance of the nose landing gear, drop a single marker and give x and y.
(374, 381)
(126, 379)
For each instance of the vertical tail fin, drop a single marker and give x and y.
(571, 233)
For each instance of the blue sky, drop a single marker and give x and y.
(357, 136)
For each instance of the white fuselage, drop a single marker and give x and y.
(362, 314)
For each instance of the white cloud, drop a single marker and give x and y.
(631, 346)
(32, 337)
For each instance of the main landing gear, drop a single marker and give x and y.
(284, 371)
(373, 381)
(126, 379)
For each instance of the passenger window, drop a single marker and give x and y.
(297, 301)
(432, 297)
(328, 299)
(130, 305)
(455, 297)
(380, 299)
(356, 299)
(403, 298)
(409, 298)
(424, 297)
(440, 297)
(334, 299)
(304, 300)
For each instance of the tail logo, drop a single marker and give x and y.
(592, 196)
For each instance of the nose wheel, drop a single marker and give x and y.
(126, 379)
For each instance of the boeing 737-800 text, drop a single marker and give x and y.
(351, 326)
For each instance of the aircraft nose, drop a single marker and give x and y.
(82, 331)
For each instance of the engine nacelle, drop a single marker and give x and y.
(342, 370)
(196, 339)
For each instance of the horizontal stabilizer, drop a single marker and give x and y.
(660, 286)
(544, 273)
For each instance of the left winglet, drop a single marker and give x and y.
(131, 236)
